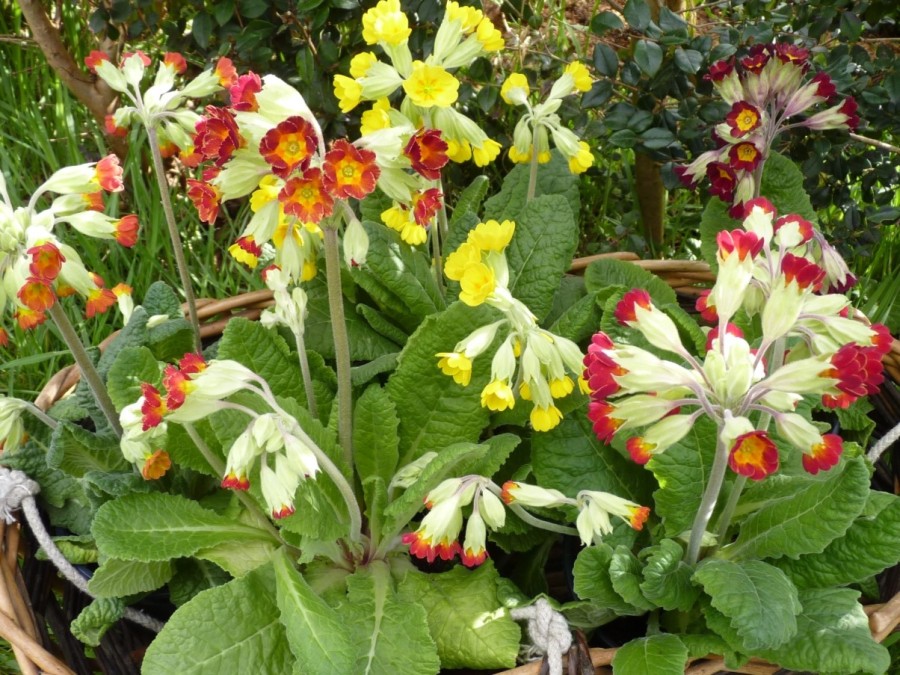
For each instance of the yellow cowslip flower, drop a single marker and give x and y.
(377, 118)
(268, 190)
(580, 75)
(515, 89)
(582, 160)
(309, 269)
(486, 153)
(469, 17)
(395, 217)
(476, 285)
(385, 22)
(456, 365)
(360, 64)
(458, 151)
(348, 92)
(497, 396)
(457, 262)
(429, 86)
(525, 390)
(545, 419)
(583, 386)
(413, 233)
(491, 235)
(490, 38)
(520, 157)
(561, 387)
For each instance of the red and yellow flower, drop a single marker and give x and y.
(289, 146)
(349, 171)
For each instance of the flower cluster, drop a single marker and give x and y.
(161, 106)
(545, 361)
(12, 429)
(540, 121)
(267, 144)
(809, 346)
(36, 268)
(765, 90)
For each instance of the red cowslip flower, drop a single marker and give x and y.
(848, 108)
(283, 512)
(28, 318)
(175, 61)
(243, 93)
(4, 338)
(425, 205)
(825, 455)
(153, 408)
(744, 156)
(738, 242)
(108, 174)
(472, 558)
(719, 70)
(640, 451)
(349, 171)
(99, 299)
(805, 273)
(687, 179)
(804, 227)
(156, 465)
(168, 149)
(46, 261)
(826, 88)
(126, 230)
(722, 180)
(289, 146)
(144, 58)
(707, 311)
(306, 197)
(217, 135)
(713, 334)
(226, 72)
(758, 203)
(787, 53)
(177, 385)
(234, 481)
(111, 129)
(858, 371)
(605, 425)
(246, 250)
(93, 201)
(600, 369)
(422, 547)
(626, 308)
(753, 455)
(882, 340)
(94, 59)
(743, 118)
(205, 198)
(427, 152)
(36, 294)
(756, 60)
(192, 363)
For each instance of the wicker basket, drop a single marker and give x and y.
(120, 650)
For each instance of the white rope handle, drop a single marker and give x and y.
(884, 443)
(548, 630)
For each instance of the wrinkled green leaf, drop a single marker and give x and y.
(554, 178)
(133, 366)
(94, 620)
(593, 582)
(118, 578)
(601, 274)
(667, 578)
(265, 353)
(375, 439)
(78, 451)
(657, 654)
(625, 574)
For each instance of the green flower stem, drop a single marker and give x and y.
(177, 246)
(710, 497)
(437, 234)
(307, 377)
(542, 524)
(219, 468)
(88, 371)
(341, 340)
(532, 169)
(41, 415)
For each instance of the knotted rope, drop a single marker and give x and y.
(548, 630)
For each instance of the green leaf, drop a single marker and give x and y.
(593, 582)
(648, 55)
(637, 14)
(434, 411)
(682, 472)
(362, 374)
(606, 61)
(667, 578)
(94, 620)
(201, 29)
(782, 184)
(606, 21)
(232, 629)
(238, 557)
(468, 202)
(265, 353)
(856, 419)
(192, 576)
(161, 299)
(851, 26)
(554, 178)
(156, 527)
(77, 451)
(390, 632)
(375, 439)
(688, 60)
(133, 335)
(816, 514)
(57, 487)
(833, 636)
(759, 599)
(601, 274)
(579, 320)
(462, 613)
(170, 340)
(539, 255)
(78, 550)
(657, 654)
(403, 269)
(624, 573)
(871, 544)
(317, 636)
(669, 21)
(570, 458)
(118, 578)
(381, 324)
(133, 366)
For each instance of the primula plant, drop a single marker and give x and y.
(339, 482)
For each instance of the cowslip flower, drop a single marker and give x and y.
(595, 509)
